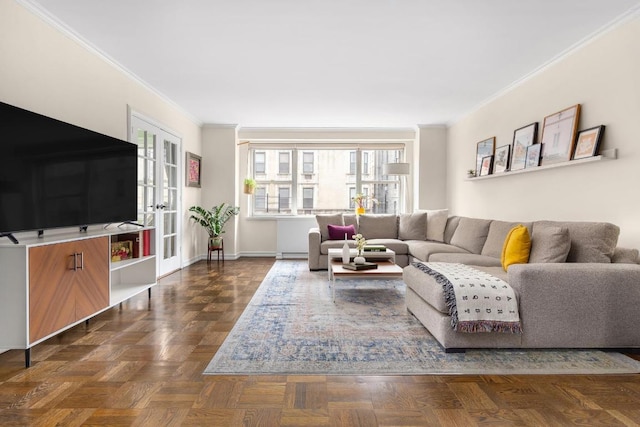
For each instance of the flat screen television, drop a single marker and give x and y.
(54, 174)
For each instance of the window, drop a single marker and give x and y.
(260, 199)
(315, 179)
(365, 163)
(307, 198)
(307, 162)
(352, 194)
(352, 163)
(284, 162)
(284, 196)
(259, 162)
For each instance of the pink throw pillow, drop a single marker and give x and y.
(337, 232)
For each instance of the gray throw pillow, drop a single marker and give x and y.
(625, 256)
(378, 226)
(450, 228)
(351, 219)
(324, 221)
(412, 226)
(590, 241)
(436, 223)
(549, 244)
(471, 234)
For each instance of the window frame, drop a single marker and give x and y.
(367, 175)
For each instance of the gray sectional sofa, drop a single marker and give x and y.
(578, 290)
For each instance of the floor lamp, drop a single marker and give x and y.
(401, 170)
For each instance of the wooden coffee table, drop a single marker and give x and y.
(336, 254)
(386, 270)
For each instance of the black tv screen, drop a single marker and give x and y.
(54, 174)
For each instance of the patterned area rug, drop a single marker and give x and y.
(292, 326)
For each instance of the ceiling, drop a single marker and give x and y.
(332, 63)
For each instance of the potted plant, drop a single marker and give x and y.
(249, 185)
(360, 200)
(214, 220)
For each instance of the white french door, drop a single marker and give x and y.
(159, 192)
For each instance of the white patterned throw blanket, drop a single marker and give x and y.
(477, 301)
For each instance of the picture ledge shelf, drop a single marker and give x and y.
(611, 154)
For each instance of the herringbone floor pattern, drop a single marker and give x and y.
(141, 365)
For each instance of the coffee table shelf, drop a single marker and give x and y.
(386, 270)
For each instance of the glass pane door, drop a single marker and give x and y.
(158, 189)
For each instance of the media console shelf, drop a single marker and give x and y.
(606, 155)
(50, 284)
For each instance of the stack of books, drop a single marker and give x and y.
(356, 267)
(375, 248)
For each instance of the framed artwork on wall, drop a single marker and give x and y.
(483, 149)
(193, 167)
(533, 155)
(485, 165)
(501, 160)
(522, 139)
(588, 142)
(559, 135)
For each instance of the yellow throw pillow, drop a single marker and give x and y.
(516, 247)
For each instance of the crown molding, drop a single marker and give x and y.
(37, 10)
(631, 14)
(334, 134)
(220, 126)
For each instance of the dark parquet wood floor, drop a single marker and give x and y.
(141, 364)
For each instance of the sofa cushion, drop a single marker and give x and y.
(350, 219)
(426, 287)
(549, 244)
(452, 224)
(422, 249)
(471, 234)
(498, 231)
(625, 256)
(468, 259)
(590, 241)
(378, 226)
(517, 246)
(412, 226)
(398, 246)
(341, 232)
(334, 244)
(323, 222)
(436, 224)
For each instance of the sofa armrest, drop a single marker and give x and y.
(315, 239)
(588, 304)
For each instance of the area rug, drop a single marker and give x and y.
(292, 326)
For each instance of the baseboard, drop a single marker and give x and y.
(292, 255)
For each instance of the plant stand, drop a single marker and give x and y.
(216, 249)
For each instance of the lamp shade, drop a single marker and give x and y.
(396, 169)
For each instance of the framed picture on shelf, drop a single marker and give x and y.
(559, 135)
(533, 155)
(483, 149)
(588, 142)
(485, 165)
(522, 139)
(501, 159)
(193, 168)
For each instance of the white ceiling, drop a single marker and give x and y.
(336, 63)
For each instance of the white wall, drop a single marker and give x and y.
(431, 169)
(46, 71)
(219, 184)
(604, 77)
